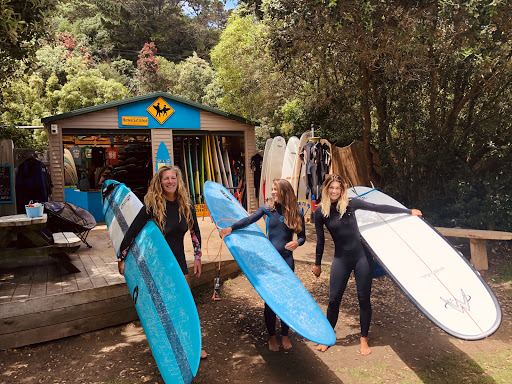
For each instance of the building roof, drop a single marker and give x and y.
(145, 97)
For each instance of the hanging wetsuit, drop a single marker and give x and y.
(279, 235)
(256, 163)
(349, 256)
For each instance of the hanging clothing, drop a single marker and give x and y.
(98, 156)
(256, 164)
(112, 156)
(76, 153)
(31, 183)
(317, 159)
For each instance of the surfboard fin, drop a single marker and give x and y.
(216, 289)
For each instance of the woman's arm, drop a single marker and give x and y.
(195, 235)
(242, 223)
(381, 208)
(320, 237)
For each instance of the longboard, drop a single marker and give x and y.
(290, 158)
(275, 165)
(163, 157)
(432, 274)
(264, 168)
(267, 271)
(159, 290)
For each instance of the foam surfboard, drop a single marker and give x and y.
(184, 166)
(264, 167)
(227, 168)
(190, 173)
(290, 158)
(437, 279)
(215, 157)
(163, 158)
(159, 290)
(267, 271)
(275, 164)
(221, 164)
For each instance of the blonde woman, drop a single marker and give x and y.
(284, 220)
(167, 203)
(336, 213)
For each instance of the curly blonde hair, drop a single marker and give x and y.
(288, 200)
(325, 203)
(155, 200)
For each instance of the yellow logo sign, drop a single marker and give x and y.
(160, 110)
(134, 120)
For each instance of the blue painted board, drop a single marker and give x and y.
(266, 270)
(159, 290)
(163, 157)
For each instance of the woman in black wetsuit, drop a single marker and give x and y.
(167, 203)
(337, 212)
(284, 220)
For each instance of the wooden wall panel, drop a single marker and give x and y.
(56, 159)
(104, 119)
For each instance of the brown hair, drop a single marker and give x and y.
(325, 203)
(288, 200)
(155, 199)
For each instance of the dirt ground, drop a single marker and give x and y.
(406, 347)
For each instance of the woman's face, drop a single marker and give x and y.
(274, 193)
(334, 191)
(169, 182)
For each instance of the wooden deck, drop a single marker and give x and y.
(41, 301)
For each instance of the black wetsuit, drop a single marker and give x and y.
(279, 235)
(349, 255)
(175, 229)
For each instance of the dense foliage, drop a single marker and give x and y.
(426, 83)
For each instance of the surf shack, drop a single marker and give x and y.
(120, 140)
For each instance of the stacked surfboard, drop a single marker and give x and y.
(205, 159)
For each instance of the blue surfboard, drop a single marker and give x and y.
(159, 290)
(267, 271)
(162, 157)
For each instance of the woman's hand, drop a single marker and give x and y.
(197, 268)
(416, 212)
(120, 266)
(225, 232)
(317, 270)
(292, 245)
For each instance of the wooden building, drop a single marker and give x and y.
(140, 124)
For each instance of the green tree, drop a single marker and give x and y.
(22, 24)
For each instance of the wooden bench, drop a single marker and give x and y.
(477, 241)
(67, 242)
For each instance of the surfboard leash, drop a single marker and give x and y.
(216, 280)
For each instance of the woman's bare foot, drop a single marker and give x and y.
(204, 355)
(285, 342)
(322, 348)
(365, 348)
(272, 344)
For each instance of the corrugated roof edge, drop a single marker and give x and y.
(145, 97)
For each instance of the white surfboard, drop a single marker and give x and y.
(290, 158)
(264, 166)
(275, 165)
(433, 275)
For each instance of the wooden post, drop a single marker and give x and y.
(479, 254)
(7, 158)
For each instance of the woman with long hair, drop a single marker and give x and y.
(167, 203)
(337, 213)
(284, 220)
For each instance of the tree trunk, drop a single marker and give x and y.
(365, 106)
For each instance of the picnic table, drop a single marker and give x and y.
(22, 236)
